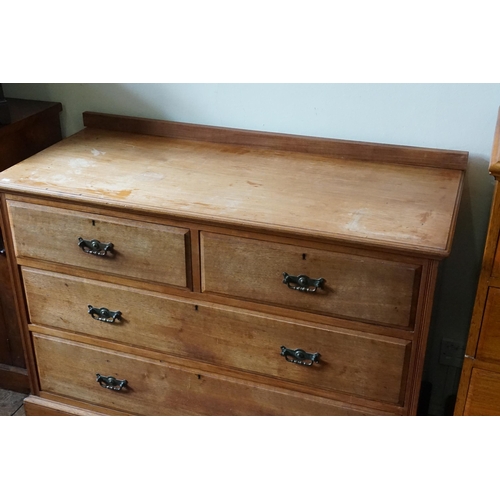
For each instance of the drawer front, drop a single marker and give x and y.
(356, 287)
(153, 388)
(483, 397)
(365, 365)
(489, 340)
(151, 252)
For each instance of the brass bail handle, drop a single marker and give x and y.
(111, 383)
(95, 247)
(103, 314)
(303, 283)
(299, 356)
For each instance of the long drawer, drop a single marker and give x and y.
(140, 250)
(365, 365)
(356, 287)
(71, 369)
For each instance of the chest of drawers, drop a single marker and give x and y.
(173, 269)
(479, 390)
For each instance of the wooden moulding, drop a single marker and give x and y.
(348, 150)
(417, 362)
(40, 407)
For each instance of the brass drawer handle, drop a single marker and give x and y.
(95, 247)
(111, 383)
(303, 283)
(103, 314)
(299, 356)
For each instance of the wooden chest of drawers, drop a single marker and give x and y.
(171, 269)
(479, 390)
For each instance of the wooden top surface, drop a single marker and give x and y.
(401, 207)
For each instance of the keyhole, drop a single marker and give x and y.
(303, 256)
(195, 308)
(93, 222)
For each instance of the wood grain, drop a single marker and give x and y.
(488, 269)
(370, 204)
(200, 367)
(40, 407)
(141, 250)
(364, 365)
(155, 388)
(483, 397)
(360, 288)
(416, 365)
(19, 298)
(478, 382)
(373, 220)
(336, 148)
(290, 314)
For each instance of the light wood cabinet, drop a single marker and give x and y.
(479, 389)
(173, 269)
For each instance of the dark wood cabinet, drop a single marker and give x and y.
(34, 125)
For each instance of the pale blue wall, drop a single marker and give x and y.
(448, 116)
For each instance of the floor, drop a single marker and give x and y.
(11, 404)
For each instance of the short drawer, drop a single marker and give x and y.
(70, 369)
(365, 365)
(489, 340)
(145, 251)
(356, 287)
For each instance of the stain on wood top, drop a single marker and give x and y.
(409, 208)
